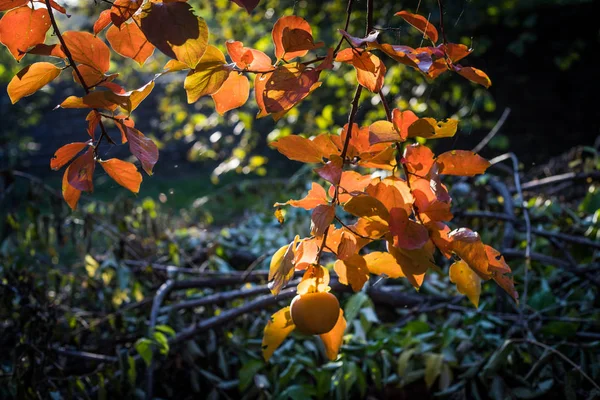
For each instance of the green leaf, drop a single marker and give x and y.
(144, 348)
(165, 329)
(433, 367)
(247, 372)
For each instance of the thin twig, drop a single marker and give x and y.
(493, 132)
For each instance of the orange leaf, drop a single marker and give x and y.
(322, 216)
(402, 120)
(429, 128)
(174, 66)
(439, 235)
(316, 196)
(208, 76)
(175, 30)
(370, 70)
(91, 76)
(66, 154)
(142, 147)
(468, 246)
(403, 54)
(326, 146)
(381, 263)
(279, 326)
(350, 182)
(88, 50)
(297, 148)
(421, 23)
(129, 41)
(456, 52)
(31, 79)
(124, 173)
(462, 162)
(496, 260)
(102, 22)
(369, 208)
(292, 24)
(22, 28)
(418, 160)
(70, 194)
(247, 58)
(383, 132)
(392, 192)
(52, 50)
(81, 171)
(347, 245)
(474, 75)
(353, 270)
(407, 234)
(332, 340)
(429, 207)
(122, 10)
(93, 118)
(98, 99)
(296, 40)
(233, 93)
(6, 5)
(414, 263)
(466, 280)
(331, 171)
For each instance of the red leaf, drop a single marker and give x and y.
(104, 19)
(233, 93)
(421, 23)
(294, 25)
(70, 194)
(93, 118)
(462, 162)
(81, 171)
(88, 50)
(66, 154)
(407, 234)
(143, 148)
(332, 171)
(124, 173)
(249, 5)
(129, 41)
(322, 216)
(122, 10)
(247, 58)
(22, 28)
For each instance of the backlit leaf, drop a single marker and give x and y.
(370, 70)
(322, 216)
(429, 128)
(290, 24)
(143, 148)
(280, 325)
(421, 23)
(429, 207)
(98, 99)
(350, 182)
(175, 30)
(70, 194)
(102, 22)
(22, 28)
(466, 280)
(87, 49)
(461, 162)
(124, 173)
(66, 154)
(414, 263)
(353, 271)
(247, 58)
(368, 207)
(122, 10)
(316, 196)
(81, 171)
(249, 5)
(31, 79)
(51, 50)
(233, 93)
(332, 340)
(6, 5)
(474, 75)
(129, 41)
(297, 148)
(468, 246)
(281, 269)
(383, 132)
(208, 76)
(418, 160)
(392, 192)
(382, 263)
(407, 234)
(402, 121)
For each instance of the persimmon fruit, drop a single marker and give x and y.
(315, 313)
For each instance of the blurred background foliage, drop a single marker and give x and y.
(69, 280)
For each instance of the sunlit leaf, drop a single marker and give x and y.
(233, 93)
(124, 173)
(321, 217)
(6, 5)
(281, 269)
(208, 76)
(81, 171)
(466, 280)
(382, 263)
(369, 208)
(22, 28)
(102, 22)
(429, 128)
(414, 263)
(351, 182)
(88, 50)
(31, 79)
(353, 271)
(332, 340)
(66, 154)
(474, 75)
(247, 58)
(461, 162)
(129, 41)
(418, 160)
(280, 325)
(316, 196)
(392, 192)
(421, 23)
(290, 25)
(407, 234)
(297, 148)
(143, 148)
(122, 10)
(370, 70)
(468, 246)
(70, 194)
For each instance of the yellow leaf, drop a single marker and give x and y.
(277, 329)
(31, 79)
(281, 269)
(353, 271)
(429, 128)
(208, 76)
(380, 263)
(466, 280)
(332, 340)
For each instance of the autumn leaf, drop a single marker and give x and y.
(421, 23)
(369, 208)
(247, 58)
(332, 340)
(281, 269)
(359, 42)
(129, 41)
(233, 93)
(81, 171)
(474, 75)
(466, 280)
(414, 263)
(351, 182)
(70, 194)
(455, 51)
(429, 207)
(98, 99)
(382, 263)
(175, 30)
(322, 216)
(91, 76)
(31, 79)
(88, 50)
(122, 10)
(438, 232)
(468, 246)
(124, 173)
(297, 148)
(66, 154)
(22, 28)
(402, 121)
(290, 25)
(429, 128)
(208, 76)
(407, 234)
(280, 325)
(143, 148)
(347, 246)
(392, 192)
(383, 132)
(353, 271)
(370, 70)
(6, 5)
(316, 196)
(104, 19)
(418, 160)
(249, 5)
(51, 50)
(499, 270)
(462, 163)
(297, 40)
